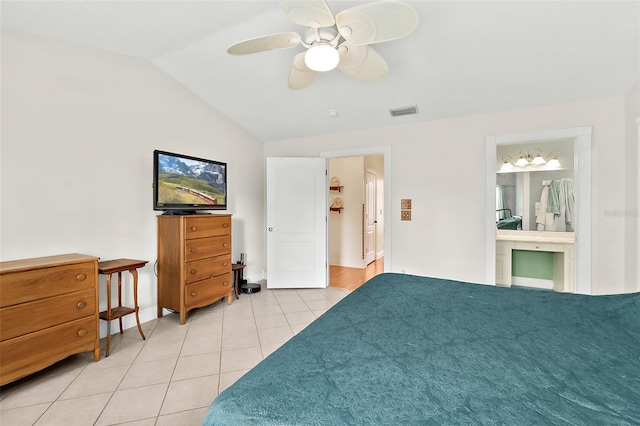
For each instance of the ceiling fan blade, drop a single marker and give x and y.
(362, 62)
(310, 13)
(377, 22)
(265, 43)
(301, 75)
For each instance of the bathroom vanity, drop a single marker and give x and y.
(561, 244)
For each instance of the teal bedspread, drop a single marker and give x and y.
(405, 350)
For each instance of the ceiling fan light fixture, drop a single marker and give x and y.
(357, 27)
(321, 57)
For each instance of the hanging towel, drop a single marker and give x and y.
(553, 203)
(568, 202)
(559, 223)
(542, 212)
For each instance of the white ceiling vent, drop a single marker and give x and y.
(404, 111)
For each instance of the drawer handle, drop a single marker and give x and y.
(194, 228)
(82, 305)
(225, 264)
(225, 225)
(225, 245)
(194, 250)
(537, 247)
(82, 332)
(81, 277)
(194, 293)
(193, 272)
(225, 283)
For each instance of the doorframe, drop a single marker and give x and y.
(375, 213)
(385, 151)
(638, 205)
(581, 137)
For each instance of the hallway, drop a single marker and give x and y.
(352, 278)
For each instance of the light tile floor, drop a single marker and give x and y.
(171, 377)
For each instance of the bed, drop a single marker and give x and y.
(404, 349)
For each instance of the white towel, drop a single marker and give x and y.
(541, 217)
(559, 224)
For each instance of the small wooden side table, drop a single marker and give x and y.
(109, 267)
(236, 268)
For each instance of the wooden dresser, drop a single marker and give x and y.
(48, 311)
(194, 261)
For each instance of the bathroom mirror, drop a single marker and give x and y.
(535, 197)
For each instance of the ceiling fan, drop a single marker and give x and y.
(341, 41)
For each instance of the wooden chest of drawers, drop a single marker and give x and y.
(48, 311)
(194, 261)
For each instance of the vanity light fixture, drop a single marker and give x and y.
(554, 163)
(538, 160)
(507, 163)
(533, 158)
(530, 161)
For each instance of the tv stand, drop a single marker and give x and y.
(194, 261)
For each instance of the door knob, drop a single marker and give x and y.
(270, 229)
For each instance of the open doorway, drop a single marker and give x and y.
(356, 233)
(580, 138)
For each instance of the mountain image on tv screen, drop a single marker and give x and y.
(184, 181)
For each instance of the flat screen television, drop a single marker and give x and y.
(185, 185)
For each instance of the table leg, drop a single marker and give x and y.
(134, 273)
(108, 315)
(120, 297)
(236, 282)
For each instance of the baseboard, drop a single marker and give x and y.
(380, 254)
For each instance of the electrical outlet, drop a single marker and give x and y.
(405, 215)
(405, 204)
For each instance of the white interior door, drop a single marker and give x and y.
(296, 222)
(370, 218)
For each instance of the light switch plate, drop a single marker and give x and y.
(405, 204)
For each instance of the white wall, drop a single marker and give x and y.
(78, 130)
(441, 166)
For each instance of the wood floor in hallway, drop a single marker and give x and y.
(352, 278)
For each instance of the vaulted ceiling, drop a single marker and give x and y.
(465, 57)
